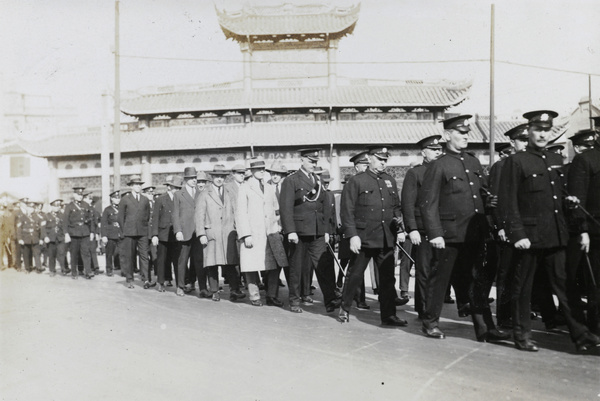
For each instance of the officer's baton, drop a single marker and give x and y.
(406, 253)
(336, 261)
(587, 259)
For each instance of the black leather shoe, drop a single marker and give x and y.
(129, 284)
(464, 310)
(256, 302)
(89, 276)
(344, 316)
(109, 274)
(494, 336)
(433, 332)
(362, 305)
(169, 284)
(204, 294)
(295, 309)
(333, 305)
(401, 301)
(505, 324)
(306, 300)
(274, 302)
(216, 297)
(525, 345)
(236, 295)
(160, 288)
(586, 342)
(146, 285)
(394, 321)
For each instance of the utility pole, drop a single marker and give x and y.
(117, 108)
(492, 59)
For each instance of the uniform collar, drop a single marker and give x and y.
(535, 151)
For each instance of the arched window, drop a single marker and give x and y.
(163, 161)
(231, 159)
(83, 166)
(180, 161)
(68, 167)
(197, 160)
(214, 160)
(98, 165)
(128, 163)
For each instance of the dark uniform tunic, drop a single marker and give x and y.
(28, 231)
(370, 209)
(302, 208)
(78, 222)
(110, 228)
(584, 183)
(452, 207)
(55, 236)
(530, 200)
(413, 181)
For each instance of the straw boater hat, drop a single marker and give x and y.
(174, 181)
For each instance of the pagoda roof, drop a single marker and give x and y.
(288, 19)
(409, 95)
(272, 134)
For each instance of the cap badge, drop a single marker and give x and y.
(544, 117)
(435, 142)
(384, 150)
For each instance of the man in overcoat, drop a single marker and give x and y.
(215, 226)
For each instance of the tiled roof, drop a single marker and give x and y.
(245, 135)
(266, 98)
(503, 126)
(287, 19)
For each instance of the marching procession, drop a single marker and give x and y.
(531, 227)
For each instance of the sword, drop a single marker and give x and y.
(406, 253)
(336, 261)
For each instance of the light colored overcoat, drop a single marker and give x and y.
(256, 216)
(216, 220)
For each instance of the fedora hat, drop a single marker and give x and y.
(202, 176)
(135, 179)
(278, 167)
(219, 169)
(190, 172)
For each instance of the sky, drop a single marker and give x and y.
(64, 49)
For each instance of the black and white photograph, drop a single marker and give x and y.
(299, 200)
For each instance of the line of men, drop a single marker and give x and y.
(466, 228)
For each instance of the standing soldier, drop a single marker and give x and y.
(54, 237)
(134, 215)
(452, 209)
(163, 236)
(111, 232)
(584, 183)
(371, 219)
(79, 231)
(302, 210)
(29, 237)
(413, 181)
(531, 196)
(215, 226)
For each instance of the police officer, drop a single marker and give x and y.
(78, 226)
(431, 149)
(88, 198)
(29, 237)
(111, 232)
(452, 208)
(372, 220)
(54, 237)
(531, 200)
(584, 183)
(302, 209)
(41, 251)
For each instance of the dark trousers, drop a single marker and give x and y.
(424, 259)
(31, 253)
(230, 274)
(80, 248)
(310, 251)
(94, 254)
(191, 251)
(383, 259)
(405, 265)
(166, 260)
(504, 281)
(461, 263)
(131, 244)
(552, 260)
(56, 252)
(593, 292)
(270, 279)
(152, 257)
(112, 254)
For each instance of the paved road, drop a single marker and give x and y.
(63, 339)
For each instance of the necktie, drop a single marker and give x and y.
(221, 194)
(277, 190)
(262, 186)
